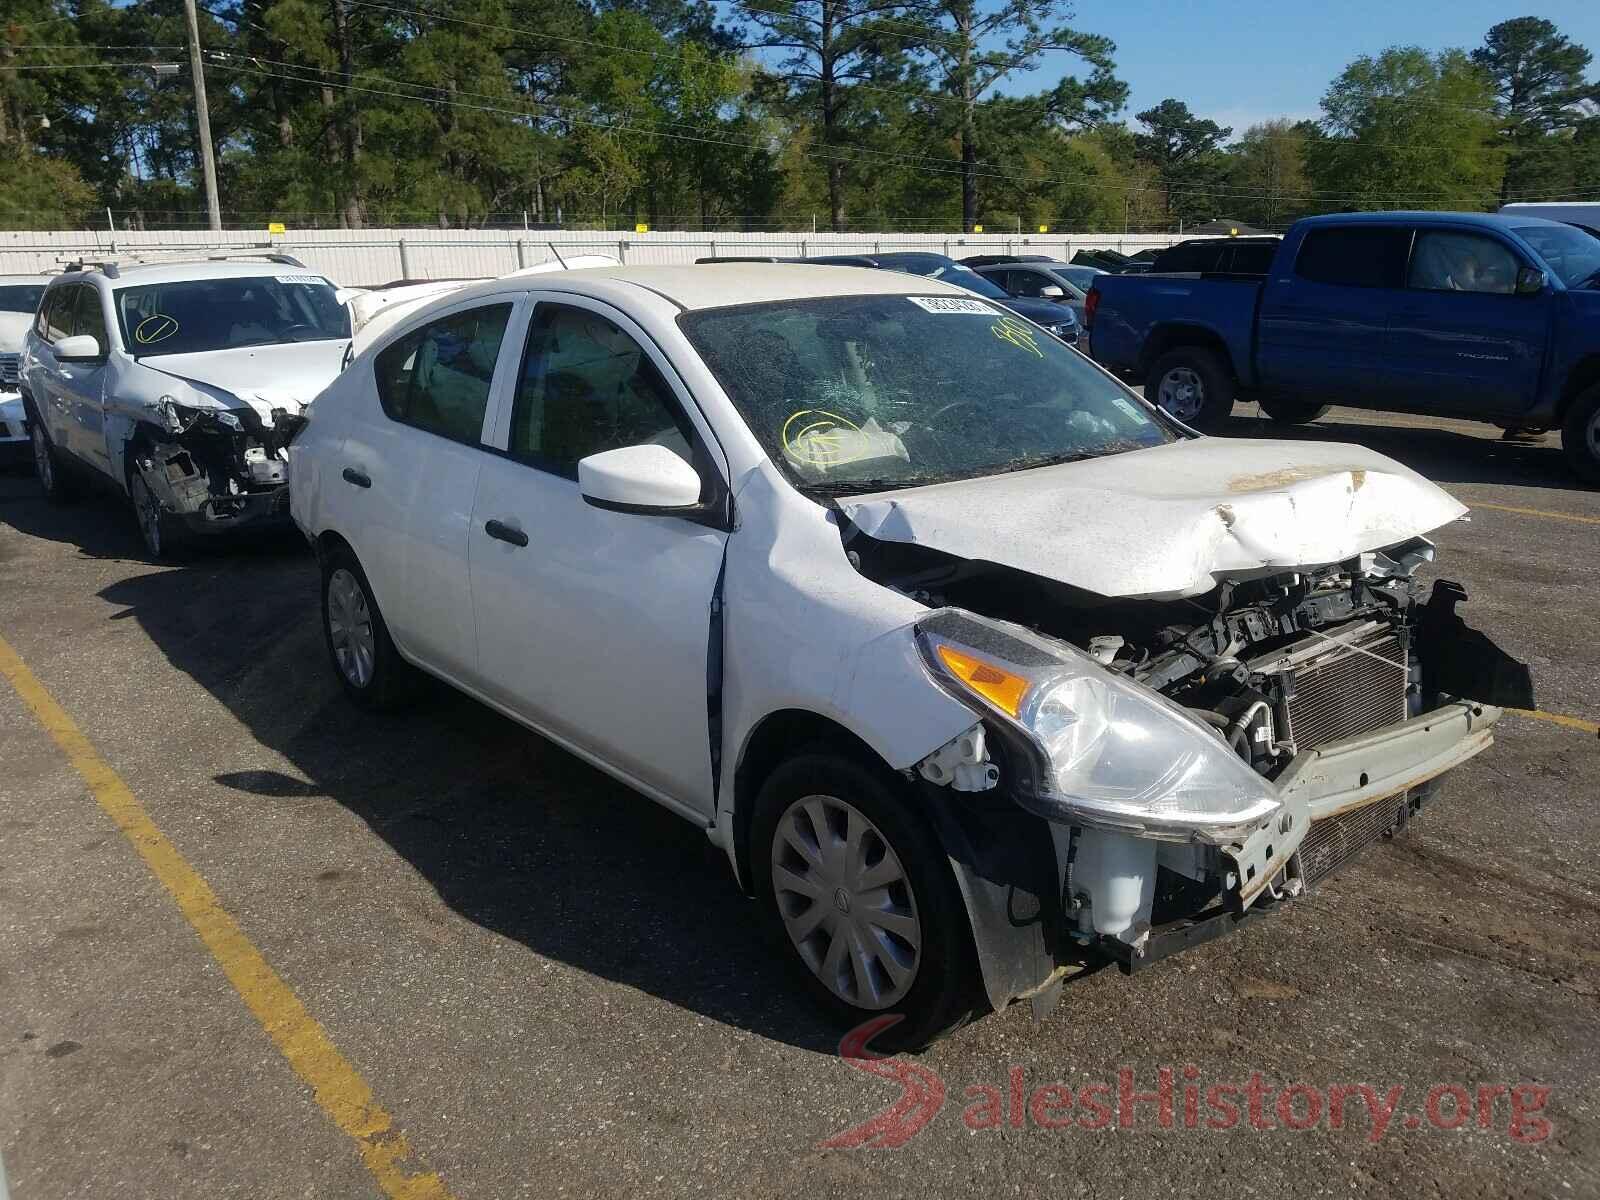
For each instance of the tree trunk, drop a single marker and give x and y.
(830, 117)
(350, 119)
(969, 121)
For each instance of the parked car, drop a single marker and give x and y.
(19, 299)
(1038, 280)
(178, 385)
(979, 668)
(1061, 321)
(1218, 256)
(1456, 314)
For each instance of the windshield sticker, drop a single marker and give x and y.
(306, 279)
(948, 305)
(1017, 333)
(1130, 409)
(815, 437)
(155, 328)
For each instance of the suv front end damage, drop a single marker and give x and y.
(1197, 762)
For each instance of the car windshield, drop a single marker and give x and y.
(854, 394)
(192, 316)
(937, 266)
(20, 297)
(1571, 253)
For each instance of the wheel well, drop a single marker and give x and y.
(1582, 377)
(1171, 337)
(779, 735)
(327, 542)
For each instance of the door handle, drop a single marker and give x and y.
(505, 533)
(351, 475)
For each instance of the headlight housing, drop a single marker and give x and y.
(1099, 749)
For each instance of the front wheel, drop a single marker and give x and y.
(1292, 412)
(1192, 384)
(1580, 435)
(861, 892)
(156, 527)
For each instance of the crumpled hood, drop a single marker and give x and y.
(286, 376)
(1172, 520)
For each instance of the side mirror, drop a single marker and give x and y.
(1051, 291)
(82, 347)
(639, 479)
(1530, 281)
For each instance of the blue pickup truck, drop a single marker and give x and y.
(1493, 318)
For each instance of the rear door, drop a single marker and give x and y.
(1323, 323)
(1461, 340)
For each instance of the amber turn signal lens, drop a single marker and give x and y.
(999, 687)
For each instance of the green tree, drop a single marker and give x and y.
(1540, 96)
(1266, 176)
(1185, 152)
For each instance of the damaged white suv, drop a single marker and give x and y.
(179, 384)
(981, 670)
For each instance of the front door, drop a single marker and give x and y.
(593, 625)
(85, 385)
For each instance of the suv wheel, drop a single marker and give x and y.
(53, 480)
(857, 886)
(363, 655)
(156, 527)
(1580, 435)
(1192, 384)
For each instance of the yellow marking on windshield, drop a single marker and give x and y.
(1016, 333)
(155, 328)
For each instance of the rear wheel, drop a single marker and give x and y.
(53, 480)
(363, 654)
(1580, 435)
(1192, 384)
(858, 887)
(1292, 412)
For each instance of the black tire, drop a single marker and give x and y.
(55, 478)
(384, 681)
(1286, 411)
(1580, 435)
(1193, 367)
(159, 530)
(944, 990)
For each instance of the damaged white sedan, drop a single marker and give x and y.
(982, 671)
(179, 384)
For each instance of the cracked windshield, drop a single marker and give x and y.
(857, 393)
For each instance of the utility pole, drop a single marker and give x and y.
(202, 118)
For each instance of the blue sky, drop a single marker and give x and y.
(1238, 62)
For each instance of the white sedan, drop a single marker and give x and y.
(981, 670)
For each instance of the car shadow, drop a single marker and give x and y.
(511, 831)
(1441, 454)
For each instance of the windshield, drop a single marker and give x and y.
(937, 266)
(20, 297)
(192, 316)
(1571, 253)
(863, 393)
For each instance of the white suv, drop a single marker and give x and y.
(179, 385)
(980, 669)
(19, 300)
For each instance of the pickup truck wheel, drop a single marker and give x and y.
(858, 888)
(1580, 435)
(53, 478)
(1292, 412)
(1192, 384)
(363, 654)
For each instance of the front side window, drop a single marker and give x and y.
(586, 387)
(89, 317)
(1572, 253)
(437, 377)
(1446, 261)
(1354, 256)
(20, 297)
(193, 316)
(862, 393)
(1027, 283)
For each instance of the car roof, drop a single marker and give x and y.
(137, 273)
(720, 285)
(1483, 220)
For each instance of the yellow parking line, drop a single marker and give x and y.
(1535, 512)
(337, 1086)
(1577, 723)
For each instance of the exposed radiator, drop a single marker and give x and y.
(1354, 685)
(9, 364)
(1333, 841)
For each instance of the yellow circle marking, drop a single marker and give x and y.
(156, 328)
(1018, 334)
(816, 442)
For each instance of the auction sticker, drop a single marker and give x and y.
(946, 305)
(307, 279)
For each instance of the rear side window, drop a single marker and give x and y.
(1447, 261)
(437, 377)
(1355, 256)
(1252, 258)
(55, 314)
(1193, 256)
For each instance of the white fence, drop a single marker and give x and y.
(369, 257)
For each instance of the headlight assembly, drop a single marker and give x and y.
(1104, 750)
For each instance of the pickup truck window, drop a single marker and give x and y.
(1449, 261)
(1354, 256)
(1570, 252)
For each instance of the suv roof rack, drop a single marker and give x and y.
(112, 267)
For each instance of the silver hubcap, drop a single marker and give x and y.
(846, 902)
(148, 509)
(350, 628)
(1181, 393)
(42, 466)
